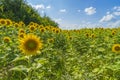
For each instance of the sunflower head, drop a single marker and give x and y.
(6, 39)
(113, 32)
(21, 23)
(21, 31)
(30, 44)
(31, 23)
(16, 25)
(8, 22)
(87, 34)
(93, 35)
(32, 28)
(51, 40)
(69, 37)
(2, 22)
(21, 35)
(57, 30)
(116, 48)
(53, 29)
(42, 30)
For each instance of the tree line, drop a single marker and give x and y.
(19, 10)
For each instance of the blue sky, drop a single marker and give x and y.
(76, 14)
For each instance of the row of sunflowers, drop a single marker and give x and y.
(37, 52)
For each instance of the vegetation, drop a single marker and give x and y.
(19, 10)
(34, 52)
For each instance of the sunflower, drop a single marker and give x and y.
(8, 22)
(31, 23)
(53, 29)
(6, 39)
(93, 36)
(57, 30)
(30, 44)
(16, 25)
(41, 26)
(42, 30)
(32, 28)
(87, 34)
(51, 40)
(116, 48)
(113, 32)
(21, 35)
(21, 31)
(69, 37)
(2, 22)
(21, 23)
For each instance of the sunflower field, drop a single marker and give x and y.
(37, 52)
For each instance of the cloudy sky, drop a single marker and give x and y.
(76, 14)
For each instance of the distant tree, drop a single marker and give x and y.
(19, 10)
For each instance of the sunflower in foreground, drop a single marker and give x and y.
(30, 44)
(116, 48)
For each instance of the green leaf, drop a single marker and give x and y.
(19, 68)
(101, 49)
(96, 70)
(20, 58)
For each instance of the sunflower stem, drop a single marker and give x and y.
(29, 65)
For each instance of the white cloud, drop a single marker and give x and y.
(106, 18)
(86, 24)
(116, 13)
(114, 24)
(117, 8)
(90, 10)
(69, 26)
(39, 6)
(108, 12)
(63, 10)
(78, 10)
(48, 7)
(58, 20)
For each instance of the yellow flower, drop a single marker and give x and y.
(69, 37)
(116, 48)
(31, 23)
(8, 22)
(32, 28)
(42, 30)
(16, 25)
(30, 44)
(6, 39)
(21, 23)
(21, 35)
(113, 32)
(93, 36)
(21, 31)
(53, 29)
(87, 34)
(51, 40)
(57, 30)
(2, 22)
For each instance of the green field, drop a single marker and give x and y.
(37, 52)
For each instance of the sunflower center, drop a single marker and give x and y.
(117, 48)
(2, 22)
(16, 25)
(31, 45)
(8, 22)
(6, 40)
(42, 30)
(32, 28)
(22, 35)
